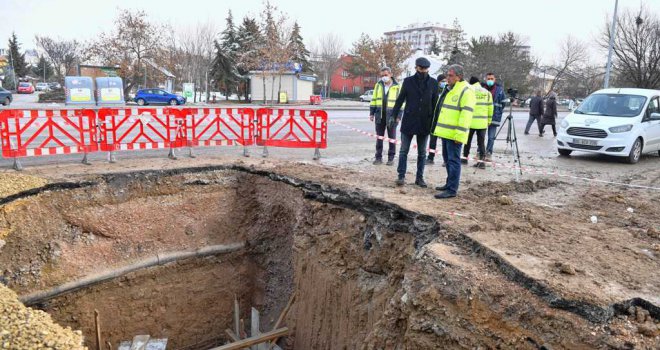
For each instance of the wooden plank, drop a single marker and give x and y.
(98, 330)
(255, 340)
(254, 328)
(232, 335)
(280, 320)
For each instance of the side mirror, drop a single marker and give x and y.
(655, 116)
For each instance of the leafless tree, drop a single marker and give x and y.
(275, 51)
(196, 44)
(326, 56)
(63, 54)
(135, 39)
(572, 54)
(636, 48)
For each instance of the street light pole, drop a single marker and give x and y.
(611, 46)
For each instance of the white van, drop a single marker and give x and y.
(618, 122)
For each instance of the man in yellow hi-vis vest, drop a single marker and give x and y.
(481, 119)
(385, 93)
(453, 126)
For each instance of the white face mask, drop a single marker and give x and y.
(385, 79)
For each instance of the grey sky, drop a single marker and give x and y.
(542, 24)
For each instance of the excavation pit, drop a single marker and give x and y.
(165, 253)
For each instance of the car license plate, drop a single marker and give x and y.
(585, 142)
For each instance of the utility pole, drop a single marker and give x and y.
(608, 69)
(44, 70)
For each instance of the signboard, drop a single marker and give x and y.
(188, 91)
(80, 95)
(306, 77)
(284, 98)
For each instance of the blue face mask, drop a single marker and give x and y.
(490, 83)
(442, 85)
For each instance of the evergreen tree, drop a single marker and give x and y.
(224, 70)
(43, 70)
(298, 50)
(454, 44)
(249, 39)
(435, 48)
(16, 58)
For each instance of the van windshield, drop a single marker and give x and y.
(612, 105)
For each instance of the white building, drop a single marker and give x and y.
(298, 87)
(419, 35)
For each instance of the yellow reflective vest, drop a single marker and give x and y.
(456, 113)
(379, 91)
(483, 110)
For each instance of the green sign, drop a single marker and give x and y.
(188, 90)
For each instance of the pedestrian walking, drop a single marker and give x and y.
(453, 127)
(380, 111)
(481, 119)
(433, 143)
(535, 112)
(550, 114)
(498, 104)
(419, 94)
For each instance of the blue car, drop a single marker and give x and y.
(5, 97)
(158, 96)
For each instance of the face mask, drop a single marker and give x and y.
(385, 79)
(490, 83)
(442, 85)
(423, 74)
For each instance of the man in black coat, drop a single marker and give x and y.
(535, 112)
(420, 93)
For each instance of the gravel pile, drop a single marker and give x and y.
(14, 183)
(22, 328)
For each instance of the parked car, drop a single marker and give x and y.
(5, 97)
(158, 96)
(366, 97)
(618, 122)
(42, 87)
(54, 86)
(25, 88)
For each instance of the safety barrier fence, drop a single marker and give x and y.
(30, 133)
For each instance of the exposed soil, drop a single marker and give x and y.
(372, 266)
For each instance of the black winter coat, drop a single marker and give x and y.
(550, 114)
(420, 96)
(536, 106)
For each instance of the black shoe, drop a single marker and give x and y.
(444, 165)
(464, 160)
(540, 135)
(378, 162)
(481, 165)
(400, 181)
(444, 195)
(526, 133)
(430, 161)
(390, 162)
(421, 183)
(441, 188)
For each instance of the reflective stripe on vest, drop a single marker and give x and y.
(455, 114)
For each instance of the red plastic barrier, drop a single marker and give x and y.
(29, 133)
(295, 128)
(123, 129)
(218, 126)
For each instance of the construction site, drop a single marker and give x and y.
(206, 253)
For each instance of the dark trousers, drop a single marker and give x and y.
(403, 154)
(391, 133)
(452, 150)
(481, 147)
(554, 129)
(531, 120)
(433, 145)
(492, 131)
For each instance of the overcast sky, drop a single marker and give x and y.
(543, 24)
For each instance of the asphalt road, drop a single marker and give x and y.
(347, 147)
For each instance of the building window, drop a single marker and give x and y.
(356, 89)
(344, 89)
(344, 74)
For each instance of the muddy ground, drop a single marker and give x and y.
(517, 265)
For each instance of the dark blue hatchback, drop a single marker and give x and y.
(158, 96)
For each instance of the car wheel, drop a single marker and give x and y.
(564, 152)
(141, 102)
(635, 152)
(173, 102)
